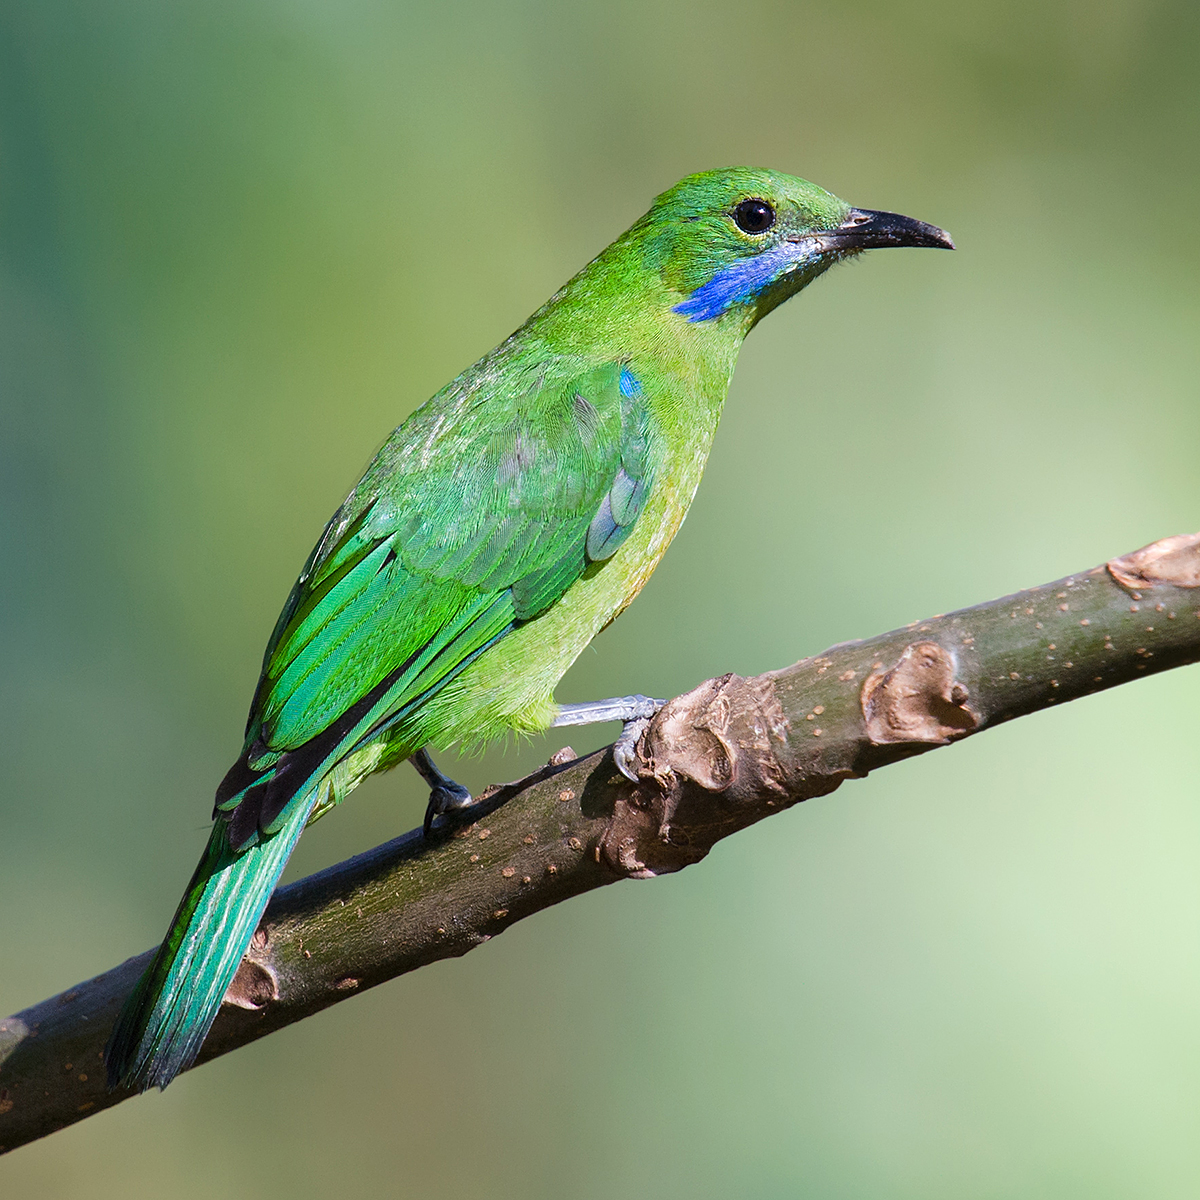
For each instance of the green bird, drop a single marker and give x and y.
(499, 529)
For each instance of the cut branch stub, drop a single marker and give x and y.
(1174, 561)
(253, 987)
(918, 700)
(708, 756)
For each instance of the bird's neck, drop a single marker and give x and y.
(617, 309)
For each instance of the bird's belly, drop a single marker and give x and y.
(510, 686)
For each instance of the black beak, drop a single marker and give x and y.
(865, 229)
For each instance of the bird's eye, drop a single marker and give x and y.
(754, 216)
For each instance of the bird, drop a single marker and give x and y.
(499, 528)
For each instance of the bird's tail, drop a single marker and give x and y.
(168, 1015)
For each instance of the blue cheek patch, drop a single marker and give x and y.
(741, 281)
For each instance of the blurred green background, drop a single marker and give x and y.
(240, 241)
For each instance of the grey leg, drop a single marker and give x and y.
(444, 794)
(634, 711)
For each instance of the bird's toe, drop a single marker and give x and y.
(625, 747)
(445, 798)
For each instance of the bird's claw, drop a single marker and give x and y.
(444, 798)
(625, 747)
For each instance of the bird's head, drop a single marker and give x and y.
(745, 240)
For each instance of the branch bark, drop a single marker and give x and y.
(715, 760)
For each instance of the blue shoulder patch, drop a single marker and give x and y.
(630, 388)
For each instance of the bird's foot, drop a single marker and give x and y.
(625, 747)
(445, 796)
(445, 799)
(634, 711)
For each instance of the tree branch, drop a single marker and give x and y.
(714, 761)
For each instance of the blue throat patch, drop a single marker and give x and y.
(741, 281)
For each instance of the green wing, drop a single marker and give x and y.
(477, 514)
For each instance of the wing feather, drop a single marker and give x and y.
(478, 513)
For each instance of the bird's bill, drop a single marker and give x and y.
(866, 229)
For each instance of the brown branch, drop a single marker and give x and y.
(714, 761)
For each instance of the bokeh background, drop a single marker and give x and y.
(240, 241)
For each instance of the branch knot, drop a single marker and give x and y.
(918, 700)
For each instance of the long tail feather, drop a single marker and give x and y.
(169, 1013)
